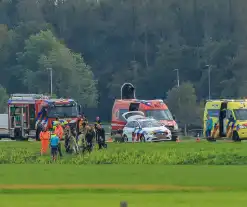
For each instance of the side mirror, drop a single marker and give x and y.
(174, 117)
(79, 109)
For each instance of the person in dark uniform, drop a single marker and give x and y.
(97, 121)
(78, 126)
(38, 130)
(89, 136)
(101, 136)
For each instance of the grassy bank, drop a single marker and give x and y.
(169, 153)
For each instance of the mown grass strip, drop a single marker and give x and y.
(34, 189)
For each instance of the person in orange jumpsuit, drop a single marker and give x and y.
(59, 133)
(44, 138)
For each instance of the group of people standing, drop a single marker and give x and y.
(79, 135)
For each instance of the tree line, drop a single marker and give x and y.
(94, 46)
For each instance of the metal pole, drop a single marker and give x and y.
(51, 80)
(209, 82)
(22, 122)
(177, 77)
(50, 69)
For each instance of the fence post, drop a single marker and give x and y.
(123, 204)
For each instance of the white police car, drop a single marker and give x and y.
(142, 129)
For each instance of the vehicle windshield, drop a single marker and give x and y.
(241, 114)
(160, 114)
(150, 123)
(63, 112)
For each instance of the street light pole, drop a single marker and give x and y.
(177, 76)
(209, 81)
(50, 69)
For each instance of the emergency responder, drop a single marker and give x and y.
(97, 121)
(209, 126)
(54, 145)
(84, 121)
(39, 128)
(89, 136)
(66, 134)
(44, 138)
(81, 124)
(73, 144)
(101, 136)
(58, 130)
(78, 127)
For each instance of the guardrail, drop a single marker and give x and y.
(195, 133)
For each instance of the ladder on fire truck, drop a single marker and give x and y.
(23, 96)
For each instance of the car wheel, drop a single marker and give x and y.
(235, 137)
(142, 138)
(211, 140)
(174, 138)
(125, 138)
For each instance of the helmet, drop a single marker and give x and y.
(55, 123)
(64, 123)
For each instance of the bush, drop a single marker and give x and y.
(130, 156)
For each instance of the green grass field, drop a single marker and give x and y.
(184, 146)
(140, 185)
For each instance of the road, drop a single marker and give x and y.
(9, 140)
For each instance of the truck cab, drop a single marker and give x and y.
(64, 109)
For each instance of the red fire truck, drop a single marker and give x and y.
(26, 110)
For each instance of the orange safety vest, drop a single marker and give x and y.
(45, 135)
(59, 131)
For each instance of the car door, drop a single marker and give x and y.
(128, 129)
(137, 129)
(228, 124)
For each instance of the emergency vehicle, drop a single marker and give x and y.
(156, 109)
(229, 119)
(143, 129)
(26, 110)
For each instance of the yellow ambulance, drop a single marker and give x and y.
(229, 119)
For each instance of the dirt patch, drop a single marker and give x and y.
(117, 187)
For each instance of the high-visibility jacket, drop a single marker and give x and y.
(59, 131)
(45, 135)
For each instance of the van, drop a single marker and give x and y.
(229, 119)
(156, 109)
